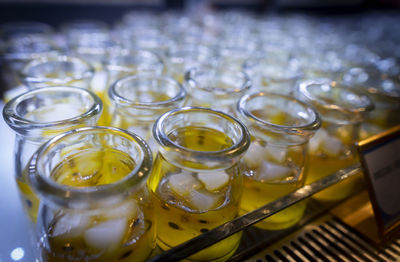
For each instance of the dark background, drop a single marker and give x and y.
(56, 12)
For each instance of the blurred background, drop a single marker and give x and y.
(57, 11)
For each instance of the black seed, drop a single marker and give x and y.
(148, 224)
(203, 221)
(203, 230)
(68, 248)
(184, 219)
(28, 203)
(174, 226)
(71, 163)
(201, 140)
(136, 222)
(126, 254)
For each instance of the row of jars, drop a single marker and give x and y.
(96, 193)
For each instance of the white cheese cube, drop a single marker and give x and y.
(255, 155)
(214, 180)
(70, 225)
(203, 201)
(332, 146)
(277, 154)
(107, 235)
(316, 141)
(272, 172)
(183, 183)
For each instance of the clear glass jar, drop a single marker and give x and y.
(333, 146)
(319, 63)
(275, 164)
(94, 203)
(183, 57)
(17, 50)
(196, 184)
(40, 114)
(56, 71)
(272, 75)
(122, 62)
(384, 91)
(216, 87)
(138, 100)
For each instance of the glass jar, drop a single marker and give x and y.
(56, 71)
(40, 114)
(123, 62)
(333, 146)
(319, 63)
(272, 75)
(138, 100)
(216, 87)
(94, 203)
(17, 50)
(196, 184)
(183, 57)
(275, 164)
(384, 91)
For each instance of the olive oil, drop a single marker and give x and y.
(271, 172)
(193, 201)
(120, 232)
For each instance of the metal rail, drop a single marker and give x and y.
(227, 229)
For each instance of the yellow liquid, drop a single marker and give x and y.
(182, 219)
(257, 194)
(268, 179)
(132, 218)
(324, 166)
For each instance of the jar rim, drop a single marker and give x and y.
(365, 104)
(311, 125)
(17, 122)
(123, 52)
(69, 195)
(190, 78)
(236, 149)
(290, 72)
(120, 100)
(87, 72)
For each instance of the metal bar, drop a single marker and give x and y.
(223, 231)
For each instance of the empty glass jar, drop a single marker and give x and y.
(37, 116)
(196, 182)
(94, 203)
(277, 160)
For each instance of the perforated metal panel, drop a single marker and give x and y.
(327, 239)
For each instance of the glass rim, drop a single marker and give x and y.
(372, 88)
(64, 194)
(312, 125)
(296, 74)
(89, 72)
(236, 149)
(13, 119)
(120, 100)
(302, 88)
(124, 52)
(190, 78)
